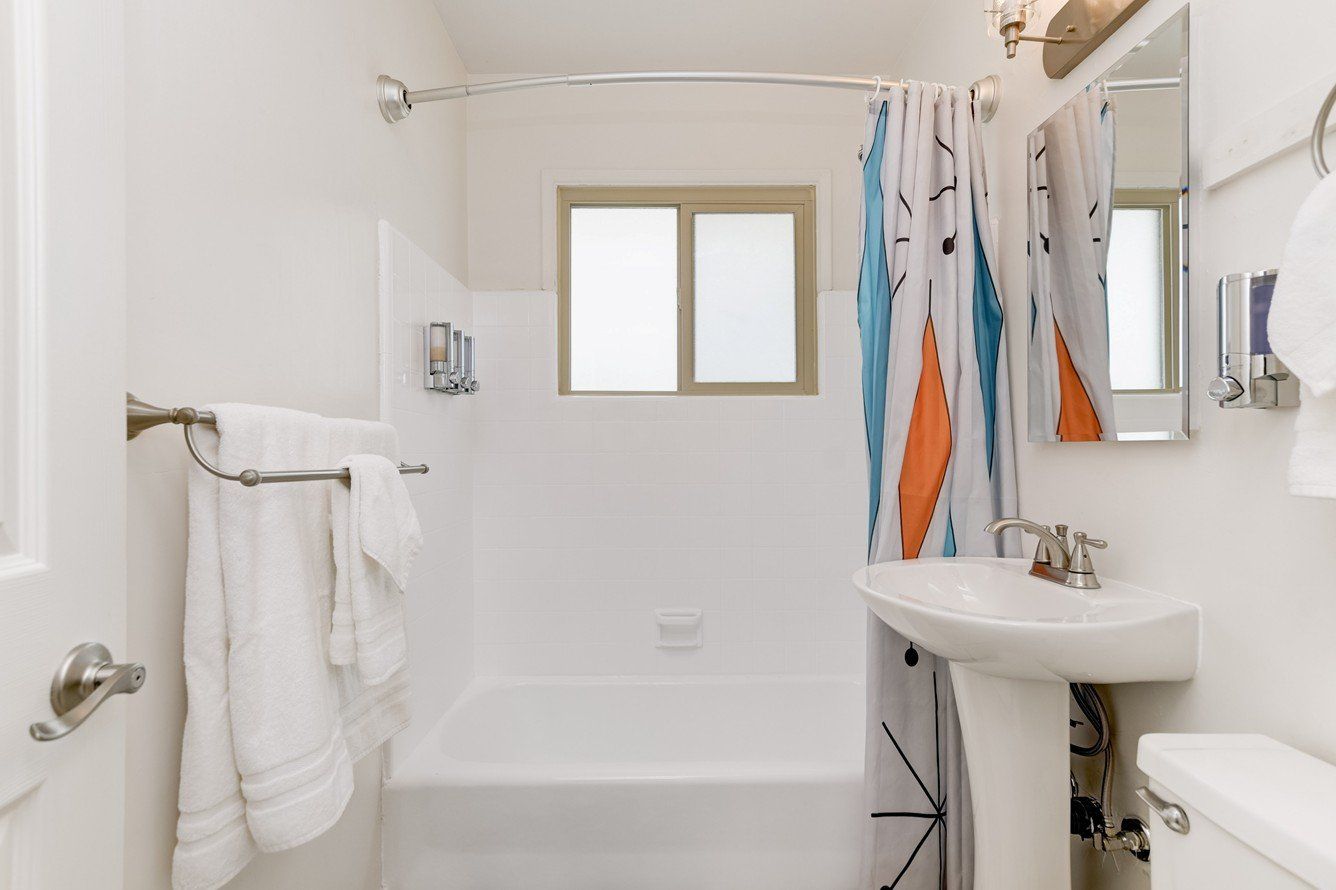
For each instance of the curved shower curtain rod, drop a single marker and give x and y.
(396, 100)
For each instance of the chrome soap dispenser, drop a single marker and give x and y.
(1250, 374)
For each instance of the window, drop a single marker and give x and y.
(687, 290)
(1143, 291)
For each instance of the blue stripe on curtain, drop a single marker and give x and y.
(874, 315)
(987, 339)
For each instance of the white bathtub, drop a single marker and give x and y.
(633, 784)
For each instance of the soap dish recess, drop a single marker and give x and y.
(678, 629)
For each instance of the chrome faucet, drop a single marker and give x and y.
(1053, 560)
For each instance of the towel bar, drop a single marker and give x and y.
(1320, 133)
(140, 416)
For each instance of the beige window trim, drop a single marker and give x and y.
(1165, 200)
(800, 201)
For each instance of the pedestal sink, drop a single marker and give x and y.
(1014, 642)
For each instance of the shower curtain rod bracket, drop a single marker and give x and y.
(396, 101)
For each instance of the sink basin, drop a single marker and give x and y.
(1014, 642)
(992, 615)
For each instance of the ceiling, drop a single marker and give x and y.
(497, 37)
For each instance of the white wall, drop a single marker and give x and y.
(438, 430)
(745, 131)
(592, 512)
(1207, 520)
(258, 168)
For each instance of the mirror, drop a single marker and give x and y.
(1108, 180)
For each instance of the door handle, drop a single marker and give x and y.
(84, 680)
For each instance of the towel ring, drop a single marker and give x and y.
(1320, 134)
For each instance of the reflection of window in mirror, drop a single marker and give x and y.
(1143, 291)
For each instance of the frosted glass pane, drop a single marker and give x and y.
(623, 298)
(745, 298)
(1136, 298)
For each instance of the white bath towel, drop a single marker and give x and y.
(1302, 330)
(349, 437)
(272, 728)
(376, 538)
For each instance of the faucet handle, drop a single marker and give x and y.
(1082, 538)
(1081, 572)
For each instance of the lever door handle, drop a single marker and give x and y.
(84, 680)
(1173, 816)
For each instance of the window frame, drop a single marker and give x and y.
(689, 201)
(1166, 200)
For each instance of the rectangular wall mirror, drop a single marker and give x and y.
(1108, 185)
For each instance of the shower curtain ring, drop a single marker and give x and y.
(876, 88)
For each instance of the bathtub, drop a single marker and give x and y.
(633, 784)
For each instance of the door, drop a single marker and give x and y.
(62, 433)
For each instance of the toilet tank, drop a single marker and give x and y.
(1260, 814)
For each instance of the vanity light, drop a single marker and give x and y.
(1072, 34)
(1008, 19)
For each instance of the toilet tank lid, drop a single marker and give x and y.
(1273, 798)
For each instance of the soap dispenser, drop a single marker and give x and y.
(1251, 376)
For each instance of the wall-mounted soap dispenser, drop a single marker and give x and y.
(1250, 374)
(448, 359)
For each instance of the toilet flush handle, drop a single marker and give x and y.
(1173, 816)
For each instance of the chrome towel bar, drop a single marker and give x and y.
(140, 416)
(1320, 135)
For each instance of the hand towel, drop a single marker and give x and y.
(272, 728)
(1302, 330)
(374, 515)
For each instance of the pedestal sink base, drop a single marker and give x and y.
(1016, 747)
(1014, 642)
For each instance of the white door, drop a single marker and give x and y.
(62, 433)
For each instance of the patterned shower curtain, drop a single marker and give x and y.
(938, 414)
(1071, 211)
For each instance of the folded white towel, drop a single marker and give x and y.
(1302, 330)
(348, 437)
(375, 519)
(272, 728)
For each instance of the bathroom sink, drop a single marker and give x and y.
(993, 616)
(1014, 642)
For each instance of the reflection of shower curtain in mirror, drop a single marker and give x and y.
(1071, 207)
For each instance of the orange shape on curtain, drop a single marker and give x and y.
(1077, 421)
(927, 451)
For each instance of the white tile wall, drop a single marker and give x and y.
(591, 512)
(437, 430)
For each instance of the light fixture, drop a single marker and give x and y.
(1073, 32)
(1009, 20)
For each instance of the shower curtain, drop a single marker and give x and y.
(1071, 209)
(938, 415)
